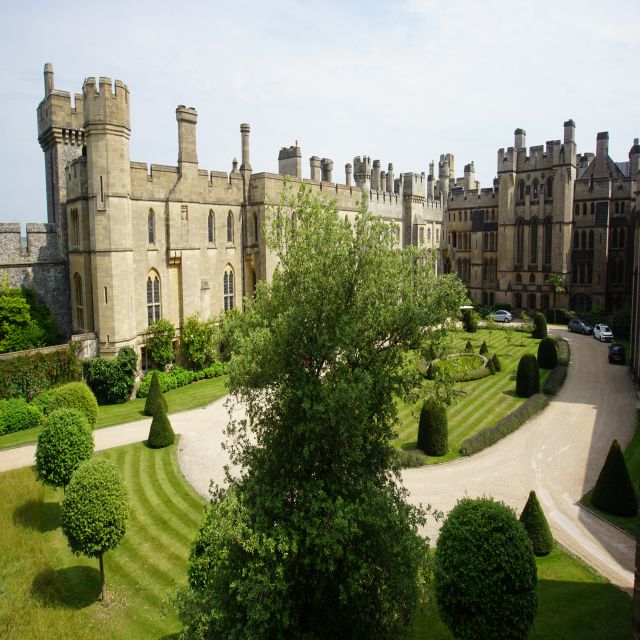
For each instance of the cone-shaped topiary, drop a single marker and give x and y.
(470, 320)
(483, 348)
(433, 429)
(536, 526)
(539, 326)
(468, 347)
(528, 376)
(547, 353)
(161, 433)
(490, 366)
(613, 491)
(496, 362)
(155, 397)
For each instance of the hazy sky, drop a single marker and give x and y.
(402, 81)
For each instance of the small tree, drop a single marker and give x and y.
(508, 335)
(470, 320)
(160, 336)
(483, 348)
(547, 353)
(539, 326)
(112, 380)
(558, 286)
(468, 347)
(613, 491)
(94, 511)
(528, 376)
(155, 399)
(433, 429)
(200, 340)
(161, 433)
(496, 362)
(536, 526)
(475, 600)
(526, 327)
(75, 395)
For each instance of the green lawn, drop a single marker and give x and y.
(483, 402)
(191, 396)
(39, 575)
(632, 458)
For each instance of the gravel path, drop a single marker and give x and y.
(558, 453)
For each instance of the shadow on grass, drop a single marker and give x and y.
(70, 588)
(38, 515)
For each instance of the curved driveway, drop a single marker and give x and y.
(558, 453)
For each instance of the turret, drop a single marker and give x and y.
(362, 169)
(48, 79)
(569, 131)
(245, 129)
(314, 163)
(634, 158)
(390, 179)
(469, 176)
(348, 173)
(290, 161)
(602, 153)
(431, 183)
(327, 170)
(443, 176)
(375, 176)
(520, 139)
(187, 118)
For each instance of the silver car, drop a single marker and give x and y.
(603, 333)
(501, 316)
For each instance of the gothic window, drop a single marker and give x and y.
(617, 207)
(518, 278)
(584, 209)
(622, 207)
(75, 228)
(534, 241)
(520, 241)
(153, 297)
(521, 190)
(453, 244)
(438, 234)
(621, 239)
(228, 288)
(589, 272)
(79, 306)
(256, 228)
(577, 210)
(593, 208)
(576, 239)
(574, 273)
(532, 278)
(428, 234)
(254, 279)
(484, 269)
(614, 239)
(230, 228)
(582, 273)
(591, 239)
(151, 223)
(548, 240)
(535, 189)
(583, 239)
(549, 189)
(211, 228)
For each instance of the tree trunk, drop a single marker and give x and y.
(102, 581)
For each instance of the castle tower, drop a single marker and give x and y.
(634, 158)
(314, 165)
(431, 186)
(327, 170)
(362, 170)
(290, 161)
(348, 174)
(375, 176)
(390, 179)
(444, 174)
(109, 284)
(187, 118)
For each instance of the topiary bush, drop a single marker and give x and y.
(483, 348)
(613, 491)
(528, 376)
(112, 380)
(491, 367)
(468, 347)
(76, 395)
(547, 353)
(536, 526)
(470, 320)
(155, 399)
(433, 429)
(66, 440)
(17, 415)
(161, 433)
(485, 573)
(539, 326)
(496, 362)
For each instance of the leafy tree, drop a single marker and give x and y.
(470, 320)
(433, 429)
(159, 337)
(547, 353)
(200, 340)
(66, 440)
(155, 400)
(112, 380)
(231, 327)
(539, 326)
(485, 570)
(613, 491)
(94, 510)
(317, 515)
(526, 325)
(536, 526)
(558, 286)
(161, 432)
(75, 395)
(527, 376)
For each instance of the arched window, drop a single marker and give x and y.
(256, 228)
(484, 269)
(75, 228)
(535, 189)
(593, 208)
(151, 223)
(211, 228)
(228, 288)
(454, 238)
(534, 241)
(521, 190)
(622, 207)
(577, 210)
(254, 280)
(153, 297)
(548, 240)
(617, 207)
(582, 273)
(591, 239)
(532, 278)
(589, 272)
(520, 241)
(614, 239)
(583, 239)
(518, 278)
(549, 189)
(584, 209)
(230, 228)
(576, 239)
(79, 301)
(574, 273)
(429, 234)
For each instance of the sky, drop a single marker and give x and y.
(401, 81)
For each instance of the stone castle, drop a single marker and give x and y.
(127, 242)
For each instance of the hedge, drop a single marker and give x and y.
(17, 415)
(410, 459)
(179, 377)
(27, 376)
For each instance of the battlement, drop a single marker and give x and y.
(413, 184)
(106, 102)
(290, 152)
(59, 111)
(461, 198)
(42, 244)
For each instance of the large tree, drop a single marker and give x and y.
(314, 539)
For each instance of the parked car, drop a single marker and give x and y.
(603, 333)
(580, 326)
(501, 316)
(616, 353)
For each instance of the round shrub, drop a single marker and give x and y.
(161, 433)
(539, 326)
(528, 376)
(470, 320)
(76, 395)
(433, 428)
(155, 399)
(43, 401)
(496, 362)
(483, 348)
(613, 491)
(64, 443)
(468, 347)
(485, 573)
(17, 415)
(547, 353)
(536, 526)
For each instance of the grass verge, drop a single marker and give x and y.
(191, 396)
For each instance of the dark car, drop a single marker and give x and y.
(616, 354)
(580, 326)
